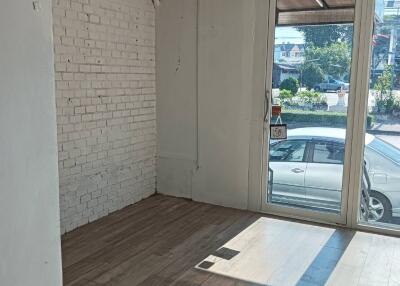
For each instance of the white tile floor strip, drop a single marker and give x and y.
(276, 252)
(270, 249)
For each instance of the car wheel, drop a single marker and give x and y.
(380, 208)
(317, 88)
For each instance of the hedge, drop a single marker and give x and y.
(319, 117)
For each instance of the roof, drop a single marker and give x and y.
(285, 67)
(288, 47)
(324, 132)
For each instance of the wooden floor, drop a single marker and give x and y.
(170, 241)
(154, 242)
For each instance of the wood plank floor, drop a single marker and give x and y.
(170, 241)
(155, 242)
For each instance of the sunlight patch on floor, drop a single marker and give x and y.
(270, 251)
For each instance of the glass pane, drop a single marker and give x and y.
(288, 151)
(380, 200)
(328, 153)
(310, 85)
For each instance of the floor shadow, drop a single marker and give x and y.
(329, 256)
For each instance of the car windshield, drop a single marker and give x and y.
(385, 149)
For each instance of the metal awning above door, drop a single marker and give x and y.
(308, 12)
(301, 5)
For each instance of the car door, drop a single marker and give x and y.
(323, 178)
(325, 85)
(288, 166)
(333, 85)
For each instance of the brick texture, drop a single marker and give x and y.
(106, 100)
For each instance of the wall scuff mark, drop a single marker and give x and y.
(156, 3)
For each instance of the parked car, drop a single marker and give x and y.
(331, 84)
(307, 170)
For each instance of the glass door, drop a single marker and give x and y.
(309, 97)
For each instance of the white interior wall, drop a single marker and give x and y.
(176, 37)
(211, 111)
(226, 37)
(29, 208)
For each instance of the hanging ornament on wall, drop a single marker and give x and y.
(156, 3)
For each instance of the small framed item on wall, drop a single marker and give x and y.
(278, 131)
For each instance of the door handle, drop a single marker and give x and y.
(266, 107)
(297, 170)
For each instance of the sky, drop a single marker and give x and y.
(288, 34)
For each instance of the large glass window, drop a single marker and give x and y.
(381, 176)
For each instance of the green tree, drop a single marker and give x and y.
(333, 60)
(383, 86)
(380, 52)
(290, 84)
(311, 74)
(325, 35)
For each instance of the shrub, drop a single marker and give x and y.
(285, 95)
(313, 100)
(305, 100)
(322, 118)
(290, 84)
(311, 97)
(386, 104)
(396, 107)
(385, 101)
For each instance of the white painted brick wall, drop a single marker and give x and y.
(106, 100)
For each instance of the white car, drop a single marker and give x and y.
(307, 170)
(331, 84)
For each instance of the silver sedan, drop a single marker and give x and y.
(307, 170)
